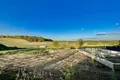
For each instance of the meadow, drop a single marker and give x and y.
(60, 44)
(59, 61)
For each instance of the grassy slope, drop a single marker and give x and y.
(21, 42)
(24, 43)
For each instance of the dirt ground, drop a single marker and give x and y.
(59, 59)
(55, 62)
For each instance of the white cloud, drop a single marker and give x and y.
(107, 33)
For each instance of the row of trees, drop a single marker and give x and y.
(29, 38)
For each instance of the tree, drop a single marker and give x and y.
(80, 43)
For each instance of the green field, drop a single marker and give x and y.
(65, 44)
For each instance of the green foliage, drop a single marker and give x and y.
(29, 38)
(114, 76)
(92, 61)
(68, 73)
(72, 47)
(0, 69)
(3, 47)
(80, 42)
(21, 74)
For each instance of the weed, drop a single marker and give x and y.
(68, 73)
(114, 76)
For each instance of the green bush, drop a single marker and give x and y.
(72, 48)
(80, 43)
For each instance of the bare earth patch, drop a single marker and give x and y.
(55, 61)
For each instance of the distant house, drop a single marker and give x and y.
(43, 46)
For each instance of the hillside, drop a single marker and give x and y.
(28, 38)
(21, 42)
(25, 43)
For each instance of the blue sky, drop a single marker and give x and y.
(60, 19)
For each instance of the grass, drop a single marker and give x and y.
(28, 74)
(114, 76)
(21, 74)
(26, 51)
(21, 43)
(67, 73)
(65, 44)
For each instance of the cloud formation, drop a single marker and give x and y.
(107, 33)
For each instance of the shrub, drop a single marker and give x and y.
(80, 43)
(72, 47)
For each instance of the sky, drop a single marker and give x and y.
(61, 19)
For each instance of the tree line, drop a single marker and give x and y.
(28, 38)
